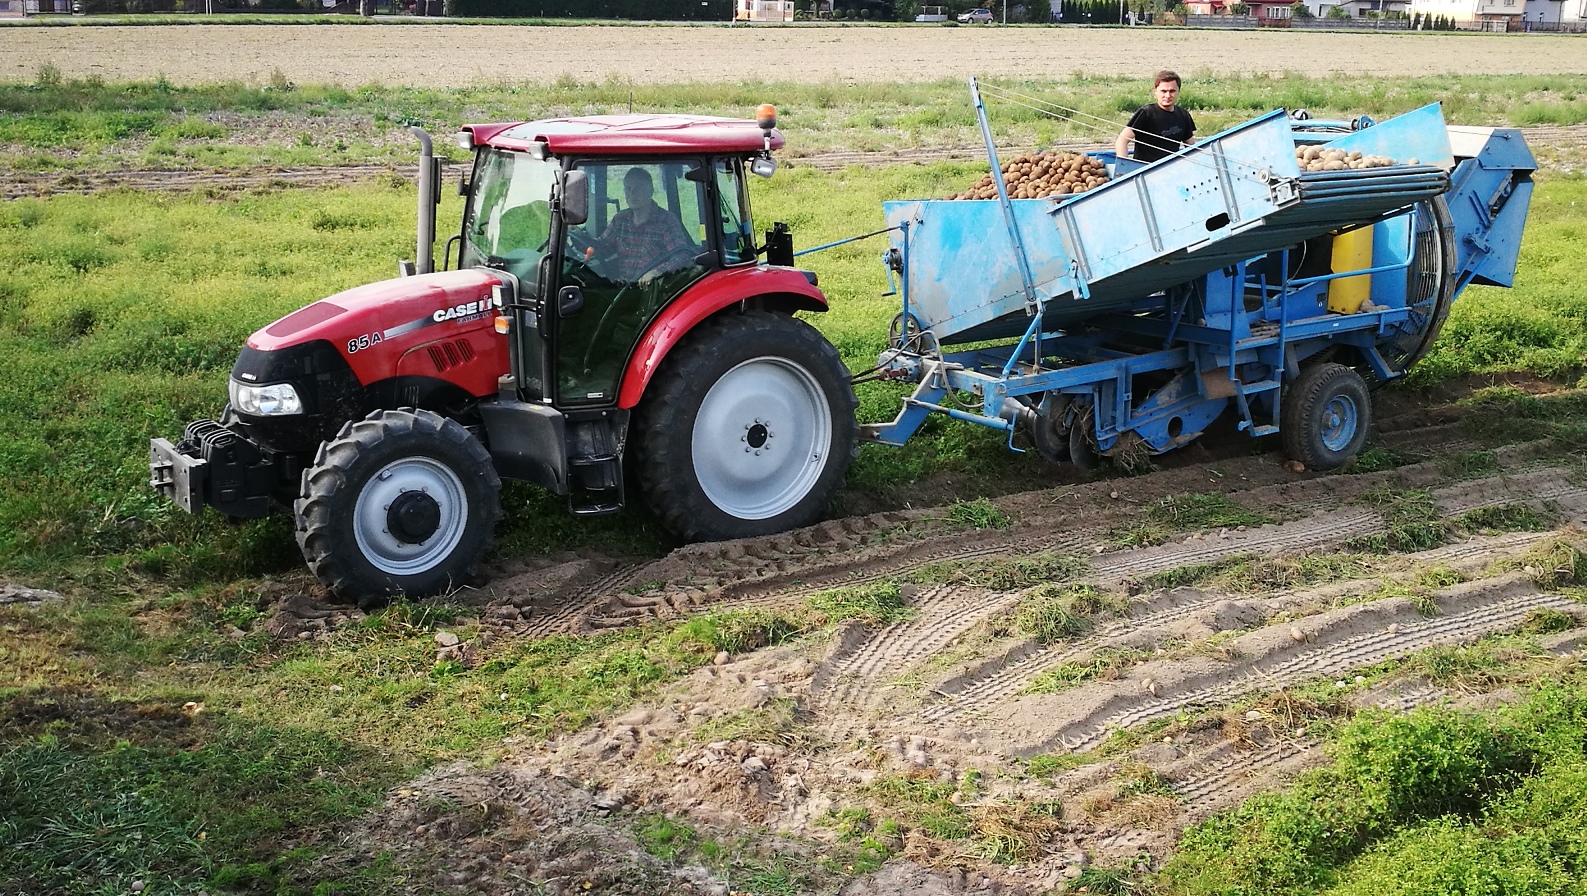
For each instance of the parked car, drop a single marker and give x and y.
(976, 17)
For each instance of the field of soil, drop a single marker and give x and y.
(819, 726)
(459, 55)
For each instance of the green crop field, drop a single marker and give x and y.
(121, 313)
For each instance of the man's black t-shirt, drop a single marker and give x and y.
(1159, 133)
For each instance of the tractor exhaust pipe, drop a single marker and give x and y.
(429, 198)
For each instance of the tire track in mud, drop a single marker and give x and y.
(1002, 681)
(1221, 776)
(943, 613)
(1000, 678)
(1546, 484)
(785, 569)
(1340, 646)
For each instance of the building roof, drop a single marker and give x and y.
(634, 134)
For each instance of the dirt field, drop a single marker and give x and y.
(434, 56)
(951, 692)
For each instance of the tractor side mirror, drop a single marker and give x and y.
(575, 198)
(570, 301)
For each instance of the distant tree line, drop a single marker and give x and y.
(1423, 22)
(666, 10)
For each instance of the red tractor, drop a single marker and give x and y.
(610, 319)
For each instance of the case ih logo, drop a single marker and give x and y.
(466, 311)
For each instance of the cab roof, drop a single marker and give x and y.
(633, 134)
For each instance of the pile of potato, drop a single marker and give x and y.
(1317, 158)
(1041, 174)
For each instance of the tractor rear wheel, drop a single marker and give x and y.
(1327, 412)
(401, 502)
(747, 429)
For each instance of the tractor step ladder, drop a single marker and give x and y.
(586, 467)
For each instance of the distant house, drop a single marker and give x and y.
(1475, 15)
(1359, 9)
(1208, 7)
(764, 11)
(12, 9)
(1571, 14)
(1271, 13)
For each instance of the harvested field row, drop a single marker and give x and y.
(445, 56)
(1570, 140)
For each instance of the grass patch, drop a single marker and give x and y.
(1552, 563)
(870, 842)
(1177, 514)
(1104, 665)
(97, 795)
(978, 514)
(1249, 573)
(1508, 414)
(777, 723)
(1510, 517)
(1469, 464)
(1053, 613)
(60, 123)
(1002, 833)
(757, 869)
(1506, 789)
(875, 605)
(1377, 458)
(1004, 573)
(1410, 519)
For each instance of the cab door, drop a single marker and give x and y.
(648, 237)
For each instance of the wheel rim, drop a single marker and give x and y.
(400, 504)
(761, 438)
(1339, 422)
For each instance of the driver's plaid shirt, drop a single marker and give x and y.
(661, 244)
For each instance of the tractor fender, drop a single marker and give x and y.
(770, 288)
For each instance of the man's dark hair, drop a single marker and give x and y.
(1166, 75)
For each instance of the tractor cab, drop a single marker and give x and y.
(602, 222)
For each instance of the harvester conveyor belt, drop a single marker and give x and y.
(1237, 195)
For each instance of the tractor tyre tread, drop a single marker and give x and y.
(665, 422)
(330, 489)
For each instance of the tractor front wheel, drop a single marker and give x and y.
(401, 502)
(747, 429)
(1326, 414)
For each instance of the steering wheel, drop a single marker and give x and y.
(579, 241)
(609, 316)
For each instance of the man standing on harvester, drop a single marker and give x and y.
(1160, 128)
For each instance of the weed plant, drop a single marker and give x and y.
(1004, 573)
(1177, 514)
(1414, 803)
(1053, 613)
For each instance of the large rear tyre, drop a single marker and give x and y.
(747, 429)
(401, 502)
(1327, 412)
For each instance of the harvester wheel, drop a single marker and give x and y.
(747, 429)
(1327, 412)
(401, 502)
(1083, 451)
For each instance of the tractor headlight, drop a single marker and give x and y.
(265, 401)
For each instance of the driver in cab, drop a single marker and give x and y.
(644, 240)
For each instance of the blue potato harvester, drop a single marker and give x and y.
(1225, 277)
